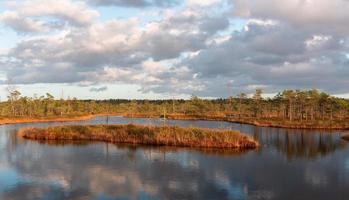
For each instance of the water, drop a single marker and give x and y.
(291, 164)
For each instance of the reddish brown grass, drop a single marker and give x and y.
(264, 122)
(149, 135)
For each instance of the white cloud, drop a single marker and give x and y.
(189, 49)
(21, 24)
(41, 15)
(317, 41)
(202, 2)
(75, 12)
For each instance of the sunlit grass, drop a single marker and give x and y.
(150, 135)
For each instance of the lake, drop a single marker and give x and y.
(290, 164)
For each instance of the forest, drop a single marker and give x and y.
(287, 106)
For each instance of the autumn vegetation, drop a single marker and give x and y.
(290, 108)
(147, 135)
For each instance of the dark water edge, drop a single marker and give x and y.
(291, 164)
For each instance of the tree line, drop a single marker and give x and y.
(291, 105)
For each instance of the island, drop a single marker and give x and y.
(144, 135)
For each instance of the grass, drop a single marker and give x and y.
(20, 120)
(296, 124)
(262, 122)
(147, 135)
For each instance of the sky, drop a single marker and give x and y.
(155, 49)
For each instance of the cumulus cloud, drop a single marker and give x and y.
(316, 15)
(41, 15)
(186, 50)
(114, 50)
(273, 57)
(21, 24)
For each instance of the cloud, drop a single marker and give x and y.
(316, 15)
(41, 15)
(92, 178)
(20, 24)
(135, 3)
(214, 24)
(203, 3)
(111, 51)
(274, 57)
(197, 48)
(99, 89)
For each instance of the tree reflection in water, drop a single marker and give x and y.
(296, 143)
(289, 163)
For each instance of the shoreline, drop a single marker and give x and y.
(7, 121)
(254, 122)
(307, 126)
(144, 135)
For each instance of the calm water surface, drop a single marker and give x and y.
(291, 164)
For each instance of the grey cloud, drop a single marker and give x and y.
(21, 25)
(45, 16)
(273, 58)
(166, 46)
(249, 59)
(99, 89)
(193, 34)
(212, 25)
(85, 52)
(195, 52)
(325, 16)
(45, 73)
